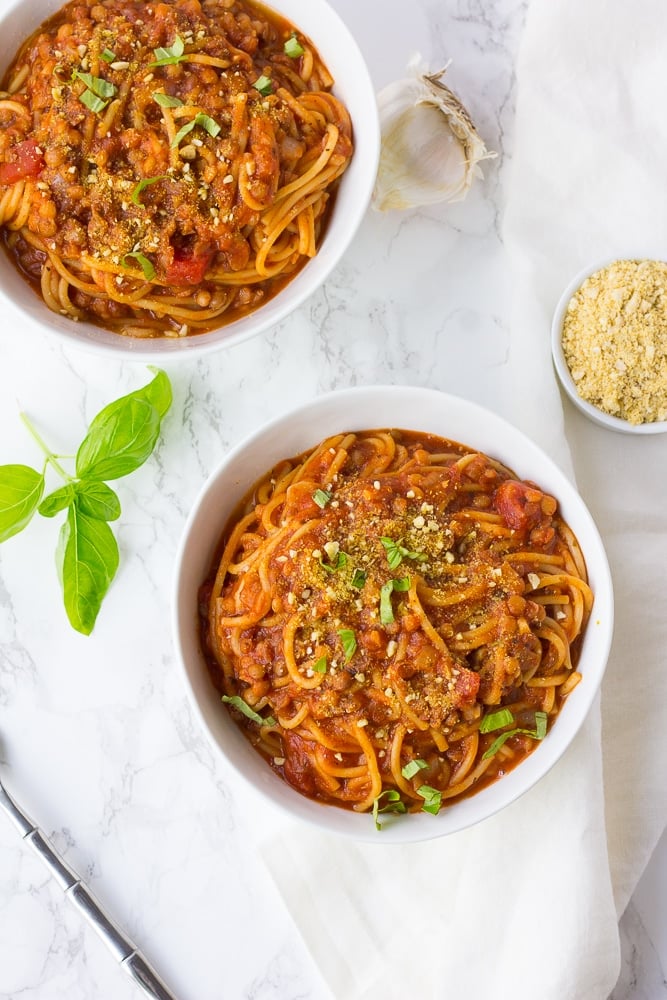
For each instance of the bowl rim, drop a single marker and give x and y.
(355, 191)
(595, 414)
(500, 794)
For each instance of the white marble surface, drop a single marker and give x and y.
(96, 738)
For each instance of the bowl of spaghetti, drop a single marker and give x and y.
(392, 612)
(179, 175)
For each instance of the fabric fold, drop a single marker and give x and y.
(526, 904)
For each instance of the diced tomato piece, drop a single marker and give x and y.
(187, 268)
(26, 161)
(519, 505)
(466, 686)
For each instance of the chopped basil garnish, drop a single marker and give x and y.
(496, 720)
(394, 804)
(166, 100)
(207, 123)
(168, 56)
(144, 183)
(538, 733)
(432, 799)
(263, 85)
(143, 262)
(99, 87)
(292, 47)
(386, 590)
(396, 553)
(338, 563)
(358, 579)
(245, 709)
(95, 104)
(321, 498)
(320, 666)
(108, 55)
(349, 642)
(413, 767)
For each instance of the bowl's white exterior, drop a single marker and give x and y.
(287, 436)
(352, 85)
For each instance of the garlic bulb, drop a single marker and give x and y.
(430, 147)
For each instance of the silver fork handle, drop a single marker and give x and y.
(129, 957)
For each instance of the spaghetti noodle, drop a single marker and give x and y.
(166, 167)
(395, 619)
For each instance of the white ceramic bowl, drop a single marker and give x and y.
(353, 86)
(563, 371)
(289, 435)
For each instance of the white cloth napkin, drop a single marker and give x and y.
(526, 904)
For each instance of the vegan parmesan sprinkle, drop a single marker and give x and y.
(614, 340)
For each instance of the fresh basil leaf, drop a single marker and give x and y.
(122, 435)
(496, 720)
(386, 610)
(498, 743)
(209, 124)
(98, 86)
(263, 85)
(96, 499)
(393, 551)
(394, 804)
(432, 799)
(182, 132)
(320, 666)
(538, 733)
(292, 47)
(21, 490)
(158, 392)
(87, 563)
(321, 498)
(349, 642)
(92, 102)
(340, 562)
(108, 56)
(173, 54)
(358, 579)
(413, 767)
(143, 262)
(119, 439)
(166, 100)
(245, 709)
(396, 553)
(540, 725)
(57, 501)
(144, 183)
(401, 583)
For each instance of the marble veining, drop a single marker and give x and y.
(97, 740)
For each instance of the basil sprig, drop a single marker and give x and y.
(119, 440)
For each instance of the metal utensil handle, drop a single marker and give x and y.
(129, 957)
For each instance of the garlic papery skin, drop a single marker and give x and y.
(430, 150)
